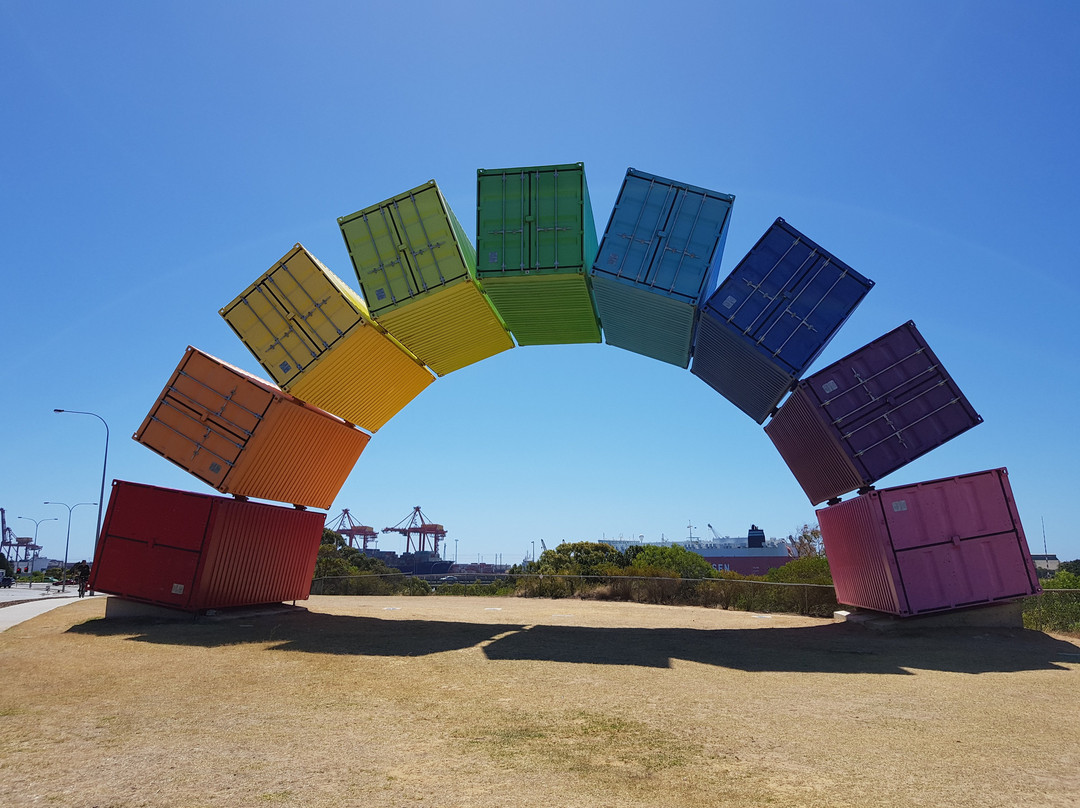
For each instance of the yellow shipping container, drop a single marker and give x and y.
(449, 329)
(316, 339)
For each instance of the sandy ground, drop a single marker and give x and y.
(371, 701)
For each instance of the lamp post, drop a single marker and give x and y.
(36, 523)
(104, 468)
(63, 572)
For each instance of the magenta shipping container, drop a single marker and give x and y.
(928, 547)
(868, 414)
(197, 551)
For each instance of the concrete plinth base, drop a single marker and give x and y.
(997, 615)
(123, 609)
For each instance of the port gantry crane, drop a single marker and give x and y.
(362, 535)
(419, 527)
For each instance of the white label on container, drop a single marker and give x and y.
(730, 302)
(178, 589)
(899, 505)
(829, 386)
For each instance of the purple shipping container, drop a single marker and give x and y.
(932, 546)
(869, 414)
(195, 551)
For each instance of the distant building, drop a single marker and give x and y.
(1049, 563)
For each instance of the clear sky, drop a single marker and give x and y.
(155, 158)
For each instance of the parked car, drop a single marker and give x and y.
(6, 582)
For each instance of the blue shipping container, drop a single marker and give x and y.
(771, 317)
(658, 259)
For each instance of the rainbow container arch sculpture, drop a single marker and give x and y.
(340, 360)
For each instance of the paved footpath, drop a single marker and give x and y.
(21, 602)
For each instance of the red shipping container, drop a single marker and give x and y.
(932, 546)
(197, 551)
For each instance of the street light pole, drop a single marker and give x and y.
(36, 523)
(63, 572)
(104, 468)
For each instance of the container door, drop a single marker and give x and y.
(948, 510)
(501, 237)
(633, 238)
(557, 219)
(379, 255)
(292, 315)
(205, 417)
(431, 245)
(666, 236)
(788, 297)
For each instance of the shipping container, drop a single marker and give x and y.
(406, 247)
(658, 259)
(316, 339)
(242, 435)
(535, 243)
(417, 272)
(933, 546)
(197, 552)
(772, 317)
(868, 414)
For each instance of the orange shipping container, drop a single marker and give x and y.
(244, 436)
(316, 339)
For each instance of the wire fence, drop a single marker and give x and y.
(817, 600)
(1055, 610)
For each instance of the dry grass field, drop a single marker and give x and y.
(398, 701)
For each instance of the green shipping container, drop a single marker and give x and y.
(406, 247)
(535, 241)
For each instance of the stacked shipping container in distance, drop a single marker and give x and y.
(196, 552)
(243, 436)
(535, 244)
(771, 317)
(931, 546)
(417, 272)
(659, 257)
(869, 414)
(316, 339)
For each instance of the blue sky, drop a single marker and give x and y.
(157, 157)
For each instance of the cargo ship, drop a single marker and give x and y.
(754, 555)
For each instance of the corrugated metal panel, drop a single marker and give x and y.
(882, 406)
(449, 330)
(243, 436)
(545, 309)
(406, 248)
(316, 339)
(665, 236)
(861, 561)
(648, 324)
(196, 552)
(367, 379)
(947, 543)
(533, 220)
(258, 555)
(787, 298)
(821, 467)
(736, 370)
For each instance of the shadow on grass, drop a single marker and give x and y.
(828, 648)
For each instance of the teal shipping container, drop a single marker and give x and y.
(535, 244)
(659, 258)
